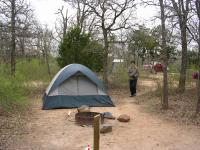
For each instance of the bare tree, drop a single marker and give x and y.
(181, 10)
(194, 30)
(45, 42)
(64, 20)
(197, 3)
(4, 42)
(109, 14)
(165, 58)
(83, 12)
(13, 44)
(12, 13)
(25, 29)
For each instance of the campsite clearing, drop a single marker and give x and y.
(55, 130)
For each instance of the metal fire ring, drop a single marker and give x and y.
(86, 118)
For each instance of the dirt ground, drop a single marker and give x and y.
(53, 130)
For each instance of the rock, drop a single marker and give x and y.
(105, 128)
(84, 108)
(82, 125)
(124, 118)
(108, 115)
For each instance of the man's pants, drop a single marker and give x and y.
(132, 85)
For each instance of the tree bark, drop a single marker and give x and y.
(198, 89)
(105, 58)
(46, 53)
(181, 9)
(47, 60)
(22, 46)
(165, 80)
(13, 37)
(65, 24)
(182, 79)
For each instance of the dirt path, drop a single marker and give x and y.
(52, 130)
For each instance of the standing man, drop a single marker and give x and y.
(133, 74)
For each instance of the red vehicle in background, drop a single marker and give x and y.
(158, 67)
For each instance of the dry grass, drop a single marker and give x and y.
(11, 127)
(181, 105)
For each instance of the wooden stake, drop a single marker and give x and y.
(96, 131)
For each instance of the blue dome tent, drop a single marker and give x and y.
(73, 86)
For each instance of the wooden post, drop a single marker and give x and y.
(96, 132)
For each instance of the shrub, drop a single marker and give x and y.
(77, 47)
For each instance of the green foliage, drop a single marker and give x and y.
(120, 77)
(193, 59)
(14, 90)
(11, 92)
(174, 67)
(93, 56)
(35, 69)
(72, 46)
(77, 47)
(170, 41)
(142, 42)
(123, 75)
(173, 79)
(146, 42)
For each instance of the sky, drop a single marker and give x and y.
(45, 12)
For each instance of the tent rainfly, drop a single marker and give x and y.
(73, 86)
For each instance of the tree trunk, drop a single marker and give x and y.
(165, 88)
(182, 10)
(22, 46)
(138, 60)
(47, 62)
(105, 58)
(46, 57)
(134, 56)
(198, 89)
(165, 80)
(182, 79)
(65, 24)
(64, 31)
(13, 44)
